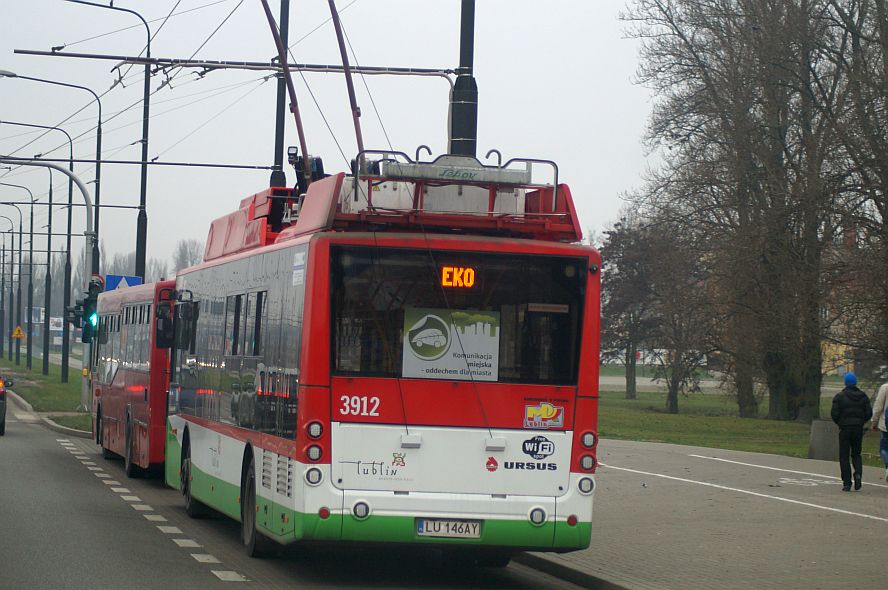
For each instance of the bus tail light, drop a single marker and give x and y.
(586, 485)
(585, 436)
(324, 513)
(587, 462)
(314, 430)
(314, 453)
(361, 510)
(572, 520)
(537, 516)
(313, 476)
(313, 424)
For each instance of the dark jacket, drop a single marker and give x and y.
(851, 408)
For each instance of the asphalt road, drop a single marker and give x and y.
(69, 519)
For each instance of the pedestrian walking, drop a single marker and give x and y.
(851, 410)
(879, 407)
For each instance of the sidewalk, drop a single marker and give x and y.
(669, 516)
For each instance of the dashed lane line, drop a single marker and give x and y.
(170, 530)
(126, 496)
(749, 492)
(229, 576)
(877, 485)
(190, 543)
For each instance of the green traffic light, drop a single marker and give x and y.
(94, 319)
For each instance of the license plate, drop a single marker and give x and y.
(455, 529)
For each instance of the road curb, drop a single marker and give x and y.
(64, 429)
(19, 400)
(564, 572)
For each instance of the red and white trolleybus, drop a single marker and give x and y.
(130, 373)
(406, 355)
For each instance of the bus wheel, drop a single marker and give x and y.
(131, 469)
(255, 544)
(193, 508)
(100, 439)
(3, 426)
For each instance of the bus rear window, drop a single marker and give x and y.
(441, 314)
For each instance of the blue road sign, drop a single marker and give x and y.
(120, 281)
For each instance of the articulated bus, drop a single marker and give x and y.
(130, 374)
(407, 355)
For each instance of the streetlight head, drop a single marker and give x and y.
(8, 74)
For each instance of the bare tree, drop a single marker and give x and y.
(187, 253)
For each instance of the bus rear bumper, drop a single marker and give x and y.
(505, 522)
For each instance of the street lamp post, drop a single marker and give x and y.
(90, 239)
(48, 279)
(66, 329)
(18, 291)
(142, 221)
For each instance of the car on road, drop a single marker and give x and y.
(3, 384)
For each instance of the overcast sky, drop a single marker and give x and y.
(555, 83)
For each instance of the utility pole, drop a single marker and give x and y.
(278, 176)
(464, 97)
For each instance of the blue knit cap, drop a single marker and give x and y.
(850, 379)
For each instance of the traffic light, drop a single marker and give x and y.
(90, 312)
(74, 313)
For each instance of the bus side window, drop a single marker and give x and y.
(259, 324)
(232, 324)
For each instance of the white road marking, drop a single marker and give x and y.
(186, 543)
(102, 475)
(142, 507)
(878, 485)
(131, 498)
(87, 463)
(67, 443)
(155, 517)
(229, 576)
(95, 469)
(751, 493)
(63, 440)
(170, 530)
(205, 558)
(120, 490)
(111, 482)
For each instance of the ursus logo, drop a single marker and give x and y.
(492, 464)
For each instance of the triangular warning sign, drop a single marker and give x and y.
(18, 333)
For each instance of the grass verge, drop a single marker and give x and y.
(708, 420)
(44, 392)
(78, 422)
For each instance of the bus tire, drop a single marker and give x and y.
(131, 469)
(3, 427)
(193, 508)
(100, 437)
(256, 544)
